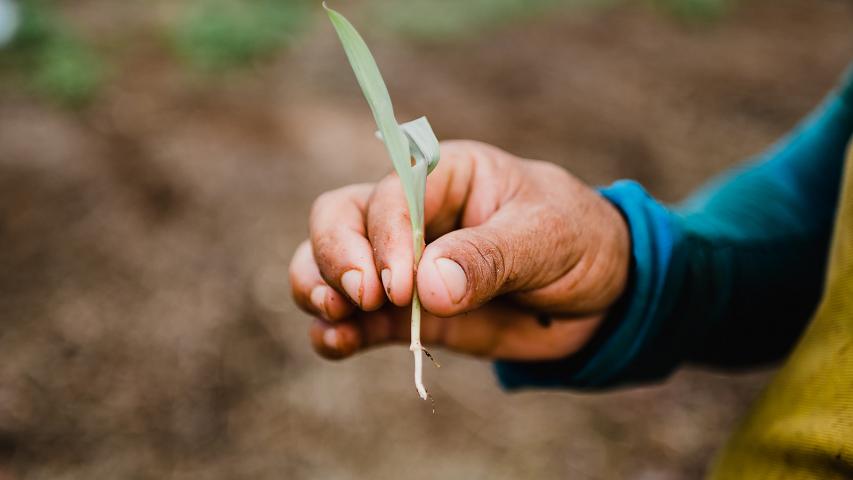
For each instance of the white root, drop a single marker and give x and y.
(417, 348)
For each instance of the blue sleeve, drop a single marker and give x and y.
(729, 278)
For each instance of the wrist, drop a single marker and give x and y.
(619, 257)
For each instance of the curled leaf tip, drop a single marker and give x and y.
(423, 144)
(329, 10)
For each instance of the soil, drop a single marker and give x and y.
(146, 328)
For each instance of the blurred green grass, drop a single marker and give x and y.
(56, 62)
(442, 20)
(221, 35)
(437, 20)
(695, 11)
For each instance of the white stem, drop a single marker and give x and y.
(416, 347)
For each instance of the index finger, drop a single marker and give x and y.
(341, 250)
(388, 222)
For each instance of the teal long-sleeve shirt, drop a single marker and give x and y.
(729, 278)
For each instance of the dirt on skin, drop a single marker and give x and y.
(146, 328)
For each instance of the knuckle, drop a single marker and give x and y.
(300, 268)
(326, 257)
(332, 199)
(296, 284)
(474, 151)
(548, 170)
(486, 255)
(461, 145)
(327, 254)
(388, 181)
(297, 258)
(324, 199)
(388, 194)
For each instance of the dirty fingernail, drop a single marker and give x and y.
(318, 298)
(330, 338)
(386, 280)
(454, 278)
(351, 281)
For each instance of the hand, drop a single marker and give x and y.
(507, 240)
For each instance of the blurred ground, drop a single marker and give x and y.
(146, 329)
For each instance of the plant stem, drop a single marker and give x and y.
(416, 347)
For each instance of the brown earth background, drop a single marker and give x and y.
(146, 328)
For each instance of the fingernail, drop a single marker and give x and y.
(330, 338)
(318, 298)
(351, 281)
(386, 280)
(454, 278)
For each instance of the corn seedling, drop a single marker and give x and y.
(413, 149)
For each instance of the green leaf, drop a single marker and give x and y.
(411, 140)
(219, 35)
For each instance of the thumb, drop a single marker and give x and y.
(520, 248)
